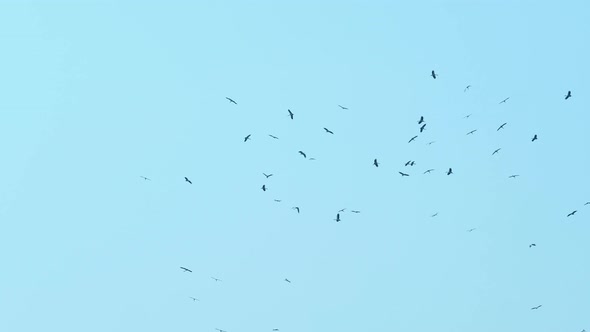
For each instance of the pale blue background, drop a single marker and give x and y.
(94, 94)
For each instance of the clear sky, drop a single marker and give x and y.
(95, 94)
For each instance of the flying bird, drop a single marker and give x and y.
(273, 136)
(434, 215)
(428, 171)
(311, 158)
(513, 176)
(504, 101)
(404, 174)
(337, 217)
(409, 161)
(413, 138)
(143, 177)
(342, 107)
(267, 175)
(275, 329)
(185, 269)
(277, 200)
(537, 307)
(231, 100)
(263, 187)
(502, 126)
(296, 208)
(430, 142)
(247, 137)
(466, 88)
(375, 163)
(496, 151)
(471, 132)
(328, 131)
(532, 245)
(467, 116)
(303, 154)
(355, 211)
(220, 330)
(216, 279)
(421, 120)
(187, 180)
(194, 299)
(572, 213)
(534, 138)
(450, 171)
(471, 230)
(290, 114)
(422, 128)
(287, 280)
(342, 210)
(433, 74)
(587, 203)
(569, 95)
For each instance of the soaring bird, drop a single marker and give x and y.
(273, 136)
(409, 162)
(216, 279)
(532, 245)
(341, 210)
(587, 203)
(471, 230)
(433, 74)
(375, 163)
(220, 330)
(537, 307)
(187, 180)
(328, 131)
(513, 176)
(303, 154)
(287, 280)
(422, 128)
(450, 171)
(496, 151)
(471, 132)
(428, 171)
(467, 116)
(355, 211)
(290, 114)
(572, 213)
(404, 174)
(275, 329)
(534, 138)
(569, 95)
(296, 208)
(263, 187)
(311, 158)
(337, 217)
(185, 269)
(247, 137)
(277, 200)
(342, 107)
(267, 175)
(434, 215)
(413, 138)
(504, 101)
(421, 120)
(143, 177)
(502, 126)
(231, 100)
(412, 163)
(194, 299)
(466, 88)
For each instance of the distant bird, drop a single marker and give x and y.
(194, 299)
(569, 95)
(496, 151)
(185, 269)
(409, 162)
(504, 101)
(466, 88)
(337, 217)
(267, 175)
(342, 210)
(231, 100)
(412, 163)
(296, 208)
(413, 138)
(311, 158)
(421, 120)
(342, 107)
(375, 163)
(537, 307)
(502, 126)
(532, 245)
(273, 136)
(278, 200)
(430, 142)
(422, 128)
(220, 330)
(434, 215)
(513, 176)
(572, 213)
(433, 74)
(467, 116)
(428, 171)
(187, 180)
(290, 114)
(404, 174)
(143, 177)
(328, 131)
(450, 171)
(275, 329)
(471, 230)
(303, 154)
(587, 203)
(471, 132)
(534, 138)
(247, 137)
(287, 280)
(355, 211)
(263, 187)
(216, 279)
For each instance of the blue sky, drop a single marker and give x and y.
(96, 94)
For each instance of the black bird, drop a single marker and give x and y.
(342, 107)
(341, 210)
(355, 211)
(409, 162)
(289, 281)
(537, 307)
(267, 175)
(428, 171)
(273, 136)
(247, 137)
(216, 279)
(220, 330)
(263, 187)
(532, 245)
(434, 215)
(502, 126)
(413, 138)
(504, 101)
(471, 230)
(194, 299)
(450, 171)
(422, 128)
(303, 154)
(143, 177)
(311, 158)
(231, 100)
(572, 213)
(534, 138)
(296, 208)
(275, 329)
(433, 74)
(375, 163)
(513, 176)
(421, 120)
(187, 180)
(466, 88)
(185, 269)
(569, 95)
(471, 132)
(277, 200)
(404, 174)
(587, 203)
(337, 217)
(467, 116)
(290, 114)
(328, 131)
(412, 163)
(496, 151)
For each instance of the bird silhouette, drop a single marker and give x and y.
(421, 120)
(471, 132)
(467, 116)
(296, 208)
(429, 143)
(355, 211)
(278, 200)
(569, 95)
(342, 107)
(341, 210)
(185, 269)
(194, 299)
(587, 203)
(290, 114)
(434, 215)
(247, 137)
(466, 88)
(143, 177)
(534, 138)
(267, 175)
(433, 74)
(337, 217)
(502, 126)
(572, 213)
(413, 138)
(220, 330)
(216, 279)
(537, 307)
(287, 280)
(328, 131)
(409, 161)
(187, 180)
(504, 101)
(263, 187)
(513, 176)
(422, 128)
(428, 171)
(404, 174)
(231, 100)
(375, 163)
(303, 154)
(450, 171)
(532, 245)
(471, 230)
(273, 136)
(311, 158)
(496, 151)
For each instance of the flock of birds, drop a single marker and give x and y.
(422, 124)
